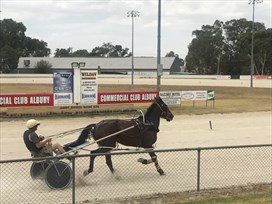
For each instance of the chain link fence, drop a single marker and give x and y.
(194, 169)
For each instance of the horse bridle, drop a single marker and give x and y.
(163, 113)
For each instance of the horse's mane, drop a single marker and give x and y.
(148, 111)
(150, 108)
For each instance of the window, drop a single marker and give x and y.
(26, 63)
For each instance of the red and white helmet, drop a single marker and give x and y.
(32, 123)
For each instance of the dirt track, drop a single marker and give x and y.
(182, 132)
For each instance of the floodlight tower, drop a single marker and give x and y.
(252, 40)
(132, 14)
(159, 65)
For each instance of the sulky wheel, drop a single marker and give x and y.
(58, 175)
(38, 168)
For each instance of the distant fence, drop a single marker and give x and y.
(191, 169)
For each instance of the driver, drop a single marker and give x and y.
(38, 145)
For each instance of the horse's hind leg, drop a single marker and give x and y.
(153, 159)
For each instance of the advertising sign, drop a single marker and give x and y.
(126, 97)
(170, 94)
(88, 87)
(193, 95)
(25, 100)
(63, 81)
(63, 99)
(210, 95)
(63, 87)
(171, 97)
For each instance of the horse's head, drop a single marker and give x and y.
(166, 113)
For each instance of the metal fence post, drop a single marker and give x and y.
(198, 169)
(74, 181)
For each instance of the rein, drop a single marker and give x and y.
(65, 133)
(163, 112)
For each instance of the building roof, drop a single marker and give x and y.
(125, 63)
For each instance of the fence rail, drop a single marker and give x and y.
(186, 169)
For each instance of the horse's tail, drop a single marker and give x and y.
(87, 131)
(84, 135)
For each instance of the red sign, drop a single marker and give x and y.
(126, 97)
(26, 100)
(19, 100)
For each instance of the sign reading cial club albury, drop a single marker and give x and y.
(21, 100)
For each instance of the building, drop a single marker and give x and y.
(110, 65)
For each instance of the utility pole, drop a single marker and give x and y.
(252, 41)
(159, 66)
(132, 14)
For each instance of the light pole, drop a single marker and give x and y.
(252, 41)
(159, 66)
(132, 14)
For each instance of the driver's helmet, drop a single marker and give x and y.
(32, 123)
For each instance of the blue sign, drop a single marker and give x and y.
(63, 87)
(63, 82)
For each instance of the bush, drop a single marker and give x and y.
(43, 67)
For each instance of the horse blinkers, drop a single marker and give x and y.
(166, 113)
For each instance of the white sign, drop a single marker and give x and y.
(171, 101)
(88, 87)
(61, 99)
(170, 94)
(193, 95)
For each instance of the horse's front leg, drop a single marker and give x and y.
(92, 157)
(109, 162)
(153, 159)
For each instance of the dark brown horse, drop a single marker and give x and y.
(140, 132)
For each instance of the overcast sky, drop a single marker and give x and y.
(85, 24)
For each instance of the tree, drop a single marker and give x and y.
(11, 44)
(262, 50)
(35, 48)
(80, 53)
(173, 54)
(62, 52)
(9, 59)
(12, 34)
(43, 67)
(14, 44)
(226, 48)
(205, 49)
(110, 50)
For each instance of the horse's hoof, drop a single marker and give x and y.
(141, 160)
(116, 175)
(161, 173)
(86, 172)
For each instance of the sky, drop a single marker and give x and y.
(85, 24)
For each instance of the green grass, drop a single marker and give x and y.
(260, 198)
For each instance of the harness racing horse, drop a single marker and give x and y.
(139, 132)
